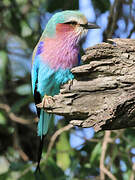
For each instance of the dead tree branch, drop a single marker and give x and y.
(102, 94)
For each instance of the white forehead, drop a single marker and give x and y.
(80, 19)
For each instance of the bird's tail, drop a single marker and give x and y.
(43, 126)
(43, 123)
(39, 154)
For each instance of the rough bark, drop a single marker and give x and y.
(102, 95)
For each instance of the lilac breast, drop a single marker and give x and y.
(61, 52)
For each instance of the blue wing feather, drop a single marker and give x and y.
(34, 73)
(39, 48)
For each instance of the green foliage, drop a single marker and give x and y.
(2, 119)
(28, 176)
(51, 170)
(63, 152)
(4, 176)
(95, 154)
(24, 89)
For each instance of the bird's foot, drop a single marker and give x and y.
(70, 83)
(47, 101)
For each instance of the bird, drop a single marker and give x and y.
(56, 53)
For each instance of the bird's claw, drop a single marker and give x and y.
(70, 83)
(47, 101)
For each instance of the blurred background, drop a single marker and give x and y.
(77, 154)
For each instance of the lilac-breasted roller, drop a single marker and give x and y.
(55, 54)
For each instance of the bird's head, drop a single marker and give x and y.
(68, 22)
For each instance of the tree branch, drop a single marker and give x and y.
(103, 170)
(54, 137)
(12, 116)
(102, 94)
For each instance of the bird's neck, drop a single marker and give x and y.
(62, 51)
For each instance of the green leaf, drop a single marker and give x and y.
(127, 174)
(2, 119)
(63, 151)
(3, 66)
(17, 166)
(26, 30)
(24, 89)
(95, 155)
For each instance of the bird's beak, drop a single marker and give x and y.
(92, 26)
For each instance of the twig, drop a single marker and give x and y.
(12, 116)
(132, 177)
(17, 146)
(55, 135)
(23, 154)
(115, 12)
(103, 169)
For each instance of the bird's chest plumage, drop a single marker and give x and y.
(60, 55)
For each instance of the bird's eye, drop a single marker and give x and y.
(71, 22)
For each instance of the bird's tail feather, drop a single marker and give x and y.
(43, 126)
(43, 123)
(39, 154)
